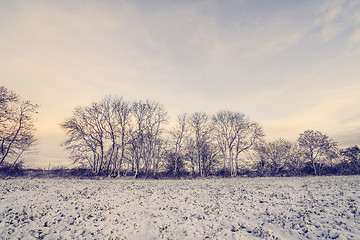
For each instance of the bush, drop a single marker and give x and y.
(12, 169)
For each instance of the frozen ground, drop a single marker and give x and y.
(260, 208)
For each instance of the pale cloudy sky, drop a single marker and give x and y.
(289, 65)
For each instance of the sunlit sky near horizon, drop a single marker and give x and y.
(289, 65)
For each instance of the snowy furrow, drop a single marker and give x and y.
(238, 208)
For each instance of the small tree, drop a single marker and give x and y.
(177, 138)
(351, 156)
(190, 154)
(277, 153)
(246, 139)
(17, 130)
(259, 157)
(201, 130)
(317, 148)
(294, 161)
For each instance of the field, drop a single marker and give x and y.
(237, 208)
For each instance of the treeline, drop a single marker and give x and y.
(116, 137)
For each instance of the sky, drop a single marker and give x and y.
(288, 65)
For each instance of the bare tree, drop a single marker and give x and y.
(295, 161)
(260, 157)
(17, 130)
(190, 154)
(351, 156)
(177, 136)
(86, 137)
(275, 156)
(317, 148)
(149, 118)
(227, 126)
(209, 155)
(279, 153)
(117, 113)
(201, 129)
(248, 135)
(161, 156)
(7, 99)
(234, 134)
(98, 134)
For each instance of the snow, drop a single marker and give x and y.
(236, 208)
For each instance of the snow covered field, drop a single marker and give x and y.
(252, 208)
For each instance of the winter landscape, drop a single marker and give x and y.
(213, 208)
(179, 119)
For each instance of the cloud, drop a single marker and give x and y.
(353, 46)
(355, 37)
(330, 26)
(330, 30)
(337, 17)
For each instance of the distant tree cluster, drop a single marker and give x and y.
(17, 131)
(313, 153)
(116, 137)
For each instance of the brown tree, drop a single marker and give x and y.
(17, 130)
(234, 134)
(149, 118)
(201, 130)
(351, 156)
(97, 135)
(177, 137)
(318, 149)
